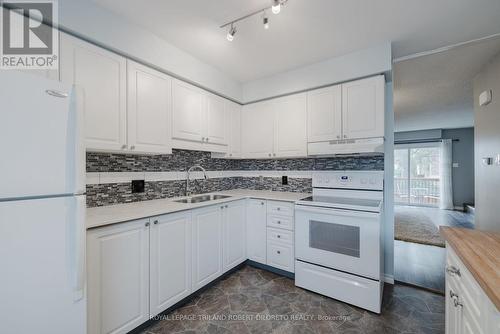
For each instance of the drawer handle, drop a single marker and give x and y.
(261, 203)
(457, 303)
(278, 252)
(279, 222)
(278, 209)
(452, 270)
(155, 222)
(279, 236)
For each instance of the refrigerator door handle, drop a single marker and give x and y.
(76, 146)
(76, 243)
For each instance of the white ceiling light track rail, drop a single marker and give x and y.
(275, 8)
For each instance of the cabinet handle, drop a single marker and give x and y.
(207, 139)
(453, 294)
(222, 207)
(279, 236)
(230, 154)
(279, 223)
(269, 154)
(457, 303)
(452, 270)
(338, 137)
(225, 206)
(278, 209)
(132, 147)
(274, 154)
(345, 136)
(124, 147)
(147, 224)
(278, 252)
(202, 138)
(261, 203)
(155, 222)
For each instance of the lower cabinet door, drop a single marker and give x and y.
(118, 277)
(207, 245)
(170, 260)
(256, 230)
(280, 255)
(452, 312)
(234, 247)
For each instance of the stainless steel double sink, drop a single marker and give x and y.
(201, 198)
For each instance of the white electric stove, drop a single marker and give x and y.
(338, 233)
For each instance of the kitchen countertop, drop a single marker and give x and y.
(480, 253)
(112, 214)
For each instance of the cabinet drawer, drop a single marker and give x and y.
(280, 255)
(280, 208)
(279, 235)
(280, 222)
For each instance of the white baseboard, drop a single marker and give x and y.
(389, 279)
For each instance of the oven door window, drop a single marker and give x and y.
(335, 238)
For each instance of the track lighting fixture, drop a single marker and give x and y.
(231, 33)
(275, 7)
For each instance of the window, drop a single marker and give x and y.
(416, 174)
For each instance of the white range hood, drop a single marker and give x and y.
(346, 147)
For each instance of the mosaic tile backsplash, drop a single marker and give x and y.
(180, 160)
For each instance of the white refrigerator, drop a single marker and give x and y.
(42, 207)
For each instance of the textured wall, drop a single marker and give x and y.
(180, 160)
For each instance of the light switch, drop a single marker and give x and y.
(456, 165)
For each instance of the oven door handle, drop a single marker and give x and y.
(336, 212)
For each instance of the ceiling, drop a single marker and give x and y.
(306, 31)
(435, 91)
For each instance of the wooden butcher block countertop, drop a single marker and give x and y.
(480, 253)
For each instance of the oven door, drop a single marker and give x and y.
(339, 239)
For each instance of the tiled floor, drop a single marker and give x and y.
(256, 301)
(423, 265)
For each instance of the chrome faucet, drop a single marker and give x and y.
(187, 176)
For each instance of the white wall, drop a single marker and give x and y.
(389, 183)
(359, 64)
(99, 25)
(487, 144)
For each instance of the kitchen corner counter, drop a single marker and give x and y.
(112, 214)
(480, 253)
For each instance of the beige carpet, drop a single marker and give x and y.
(416, 227)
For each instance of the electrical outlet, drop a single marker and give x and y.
(137, 186)
(284, 180)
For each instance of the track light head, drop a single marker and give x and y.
(265, 21)
(231, 33)
(276, 7)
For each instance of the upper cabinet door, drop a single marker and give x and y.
(102, 76)
(363, 108)
(290, 126)
(188, 112)
(149, 110)
(257, 121)
(234, 127)
(215, 120)
(324, 114)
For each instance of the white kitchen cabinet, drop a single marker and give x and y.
(149, 110)
(234, 129)
(280, 255)
(102, 77)
(188, 112)
(118, 277)
(257, 122)
(234, 230)
(468, 309)
(256, 230)
(198, 118)
(324, 114)
(206, 245)
(363, 104)
(170, 260)
(290, 126)
(215, 120)
(275, 128)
